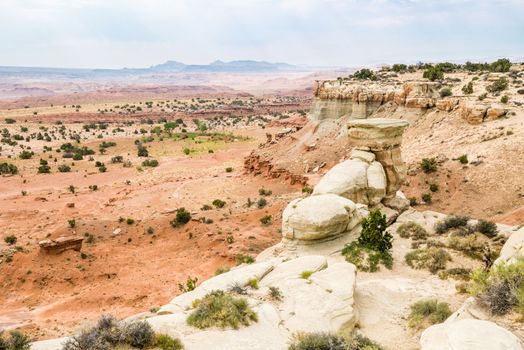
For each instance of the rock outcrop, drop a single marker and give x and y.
(513, 249)
(61, 244)
(319, 218)
(468, 334)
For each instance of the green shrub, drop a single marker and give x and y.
(306, 274)
(223, 310)
(187, 151)
(264, 192)
(374, 235)
(244, 259)
(44, 168)
(445, 92)
(412, 230)
(130, 221)
(11, 239)
(7, 168)
(468, 88)
(364, 74)
(189, 286)
(142, 151)
(261, 203)
(307, 189)
(425, 313)
(487, 228)
(468, 245)
(501, 289)
(504, 99)
(426, 197)
(266, 219)
(433, 187)
(433, 73)
(72, 223)
(182, 217)
(165, 342)
(221, 270)
(275, 293)
(330, 341)
(433, 258)
(483, 96)
(219, 203)
(253, 283)
(458, 273)
(372, 246)
(150, 163)
(25, 154)
(138, 334)
(428, 165)
(15, 341)
(9, 121)
(498, 85)
(229, 170)
(64, 168)
(451, 222)
(463, 159)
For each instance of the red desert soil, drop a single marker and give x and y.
(132, 271)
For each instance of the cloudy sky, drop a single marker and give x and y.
(140, 33)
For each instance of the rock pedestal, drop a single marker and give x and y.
(382, 137)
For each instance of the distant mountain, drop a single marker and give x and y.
(220, 66)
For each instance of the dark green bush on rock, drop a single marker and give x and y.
(372, 246)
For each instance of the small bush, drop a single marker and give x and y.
(483, 96)
(425, 313)
(142, 151)
(130, 221)
(150, 163)
(445, 92)
(189, 286)
(412, 230)
(261, 203)
(306, 274)
(264, 192)
(275, 293)
(138, 334)
(182, 217)
(165, 342)
(219, 203)
(468, 88)
(487, 228)
(468, 245)
(307, 189)
(229, 170)
(364, 74)
(16, 341)
(426, 197)
(223, 310)
(433, 187)
(500, 289)
(221, 270)
(504, 99)
(253, 283)
(206, 207)
(11, 239)
(434, 259)
(7, 168)
(498, 85)
(451, 222)
(428, 165)
(463, 159)
(433, 73)
(266, 219)
(64, 168)
(244, 259)
(330, 341)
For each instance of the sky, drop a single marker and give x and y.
(141, 33)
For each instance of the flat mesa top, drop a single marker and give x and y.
(378, 123)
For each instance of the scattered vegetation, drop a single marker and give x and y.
(425, 313)
(219, 203)
(433, 258)
(330, 341)
(15, 341)
(451, 222)
(446, 92)
(500, 289)
(223, 310)
(412, 230)
(266, 219)
(109, 333)
(364, 74)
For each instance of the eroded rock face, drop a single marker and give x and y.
(318, 218)
(61, 244)
(360, 179)
(468, 334)
(322, 303)
(473, 113)
(513, 249)
(382, 137)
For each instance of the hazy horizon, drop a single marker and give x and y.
(142, 33)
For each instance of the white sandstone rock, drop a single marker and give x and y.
(513, 248)
(347, 179)
(468, 334)
(376, 188)
(317, 218)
